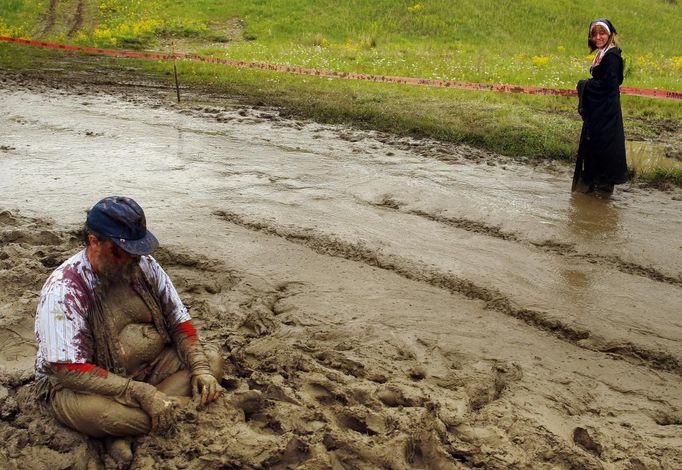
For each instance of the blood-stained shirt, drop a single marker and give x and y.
(61, 327)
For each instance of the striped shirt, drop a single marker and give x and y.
(61, 326)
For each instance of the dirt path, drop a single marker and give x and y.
(66, 16)
(382, 302)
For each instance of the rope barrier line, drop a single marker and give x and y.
(664, 94)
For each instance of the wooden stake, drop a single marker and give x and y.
(175, 72)
(177, 86)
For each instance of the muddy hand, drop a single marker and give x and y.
(159, 406)
(205, 388)
(162, 412)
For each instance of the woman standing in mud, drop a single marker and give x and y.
(601, 154)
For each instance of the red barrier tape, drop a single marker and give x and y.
(665, 94)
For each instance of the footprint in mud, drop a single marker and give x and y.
(186, 259)
(417, 373)
(276, 392)
(583, 439)
(420, 454)
(427, 446)
(51, 259)
(7, 218)
(251, 402)
(362, 421)
(324, 393)
(480, 395)
(210, 286)
(377, 376)
(42, 237)
(451, 411)
(668, 418)
(256, 324)
(485, 388)
(338, 361)
(348, 453)
(257, 411)
(295, 453)
(389, 201)
(395, 395)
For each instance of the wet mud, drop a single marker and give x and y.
(380, 302)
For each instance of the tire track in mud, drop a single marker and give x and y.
(49, 17)
(77, 22)
(70, 22)
(548, 246)
(493, 300)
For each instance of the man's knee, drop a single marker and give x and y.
(98, 416)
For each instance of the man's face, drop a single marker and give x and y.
(110, 261)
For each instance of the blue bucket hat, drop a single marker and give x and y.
(122, 220)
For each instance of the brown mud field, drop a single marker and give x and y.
(381, 302)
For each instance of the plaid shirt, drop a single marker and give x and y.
(61, 326)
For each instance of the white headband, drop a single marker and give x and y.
(600, 23)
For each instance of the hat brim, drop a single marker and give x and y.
(141, 247)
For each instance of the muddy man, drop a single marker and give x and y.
(116, 345)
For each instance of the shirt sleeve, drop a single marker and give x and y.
(171, 304)
(61, 326)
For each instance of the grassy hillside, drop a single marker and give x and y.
(522, 42)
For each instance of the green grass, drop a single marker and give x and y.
(651, 164)
(523, 42)
(662, 176)
(539, 43)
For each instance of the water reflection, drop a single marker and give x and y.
(575, 279)
(180, 148)
(592, 217)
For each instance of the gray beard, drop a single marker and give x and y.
(125, 275)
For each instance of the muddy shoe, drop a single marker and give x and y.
(120, 450)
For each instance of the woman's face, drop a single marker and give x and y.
(599, 36)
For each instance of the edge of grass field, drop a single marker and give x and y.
(523, 126)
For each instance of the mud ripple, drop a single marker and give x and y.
(549, 246)
(321, 396)
(468, 225)
(493, 300)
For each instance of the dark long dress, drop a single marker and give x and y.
(601, 153)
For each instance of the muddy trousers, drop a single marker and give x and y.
(103, 416)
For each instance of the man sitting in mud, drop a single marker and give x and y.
(116, 346)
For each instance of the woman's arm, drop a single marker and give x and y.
(608, 77)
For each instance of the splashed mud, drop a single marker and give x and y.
(381, 302)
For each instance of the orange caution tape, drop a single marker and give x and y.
(665, 94)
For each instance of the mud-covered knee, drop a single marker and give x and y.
(130, 422)
(216, 362)
(98, 416)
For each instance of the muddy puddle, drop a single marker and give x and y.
(382, 302)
